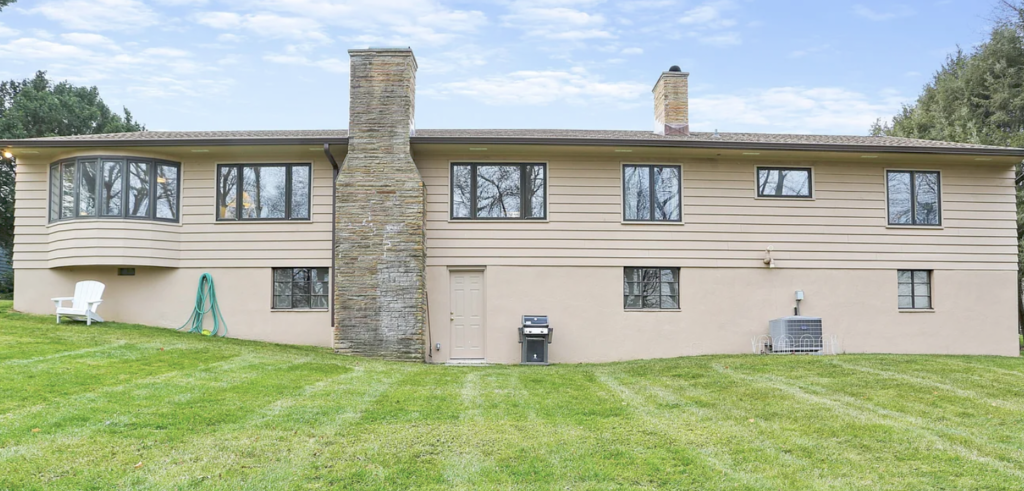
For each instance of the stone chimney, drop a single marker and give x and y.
(379, 255)
(671, 103)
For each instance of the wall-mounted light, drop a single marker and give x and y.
(751, 153)
(8, 154)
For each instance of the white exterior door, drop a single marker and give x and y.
(467, 303)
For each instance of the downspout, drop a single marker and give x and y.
(334, 221)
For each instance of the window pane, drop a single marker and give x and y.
(651, 275)
(636, 192)
(903, 276)
(906, 302)
(54, 192)
(784, 182)
(113, 188)
(922, 302)
(926, 198)
(282, 288)
(300, 192)
(535, 205)
(167, 192)
(300, 301)
(669, 302)
(227, 187)
(634, 302)
(666, 193)
(138, 189)
(899, 197)
(67, 190)
(634, 274)
(652, 302)
(263, 191)
(283, 274)
(87, 185)
(461, 177)
(906, 289)
(669, 275)
(318, 302)
(282, 302)
(920, 277)
(498, 191)
(631, 288)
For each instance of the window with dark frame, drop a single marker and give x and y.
(96, 187)
(266, 192)
(652, 193)
(783, 182)
(915, 289)
(650, 288)
(301, 288)
(914, 197)
(498, 191)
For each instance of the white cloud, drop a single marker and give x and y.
(98, 15)
(333, 65)
(800, 53)
(89, 39)
(632, 51)
(873, 15)
(229, 38)
(542, 87)
(7, 31)
(555, 20)
(175, 3)
(266, 25)
(792, 110)
(710, 15)
(708, 22)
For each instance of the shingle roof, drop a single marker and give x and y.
(537, 136)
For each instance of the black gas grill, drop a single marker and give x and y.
(535, 336)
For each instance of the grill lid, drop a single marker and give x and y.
(535, 320)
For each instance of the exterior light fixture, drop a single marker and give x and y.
(8, 154)
(751, 153)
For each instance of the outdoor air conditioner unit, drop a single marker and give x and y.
(795, 334)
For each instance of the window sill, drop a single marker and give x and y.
(299, 310)
(784, 198)
(498, 220)
(917, 311)
(916, 227)
(115, 220)
(637, 222)
(264, 220)
(653, 310)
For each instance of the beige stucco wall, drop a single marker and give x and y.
(165, 297)
(722, 309)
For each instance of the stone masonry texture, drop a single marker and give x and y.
(380, 256)
(672, 104)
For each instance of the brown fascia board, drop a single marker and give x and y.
(171, 142)
(724, 145)
(457, 140)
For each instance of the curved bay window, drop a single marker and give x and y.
(114, 187)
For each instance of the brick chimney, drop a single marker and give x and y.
(379, 256)
(671, 103)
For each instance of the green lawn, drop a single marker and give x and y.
(122, 406)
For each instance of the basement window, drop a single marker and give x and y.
(498, 191)
(263, 192)
(783, 182)
(652, 193)
(915, 289)
(650, 288)
(114, 187)
(914, 198)
(301, 288)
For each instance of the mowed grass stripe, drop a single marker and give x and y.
(227, 414)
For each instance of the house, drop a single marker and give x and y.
(390, 241)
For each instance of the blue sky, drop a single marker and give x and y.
(824, 66)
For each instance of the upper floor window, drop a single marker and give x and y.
(114, 187)
(263, 191)
(914, 197)
(783, 182)
(499, 191)
(652, 193)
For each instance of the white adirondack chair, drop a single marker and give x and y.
(88, 296)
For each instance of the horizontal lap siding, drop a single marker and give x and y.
(198, 241)
(725, 226)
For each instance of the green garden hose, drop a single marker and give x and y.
(206, 301)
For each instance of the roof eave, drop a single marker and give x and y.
(173, 142)
(456, 140)
(724, 145)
